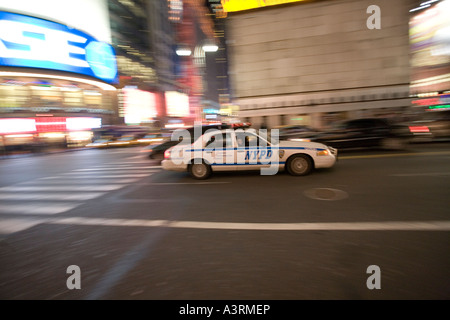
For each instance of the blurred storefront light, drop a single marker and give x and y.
(139, 105)
(210, 46)
(99, 84)
(83, 123)
(17, 125)
(183, 51)
(177, 104)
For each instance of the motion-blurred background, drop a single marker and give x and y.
(72, 72)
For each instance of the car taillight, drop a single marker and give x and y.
(167, 154)
(419, 129)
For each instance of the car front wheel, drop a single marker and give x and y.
(200, 171)
(299, 165)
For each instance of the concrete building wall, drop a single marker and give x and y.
(318, 58)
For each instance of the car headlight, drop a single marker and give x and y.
(323, 153)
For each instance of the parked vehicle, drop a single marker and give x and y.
(292, 132)
(431, 126)
(366, 133)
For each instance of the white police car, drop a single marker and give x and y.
(239, 149)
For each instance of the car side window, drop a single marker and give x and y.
(228, 140)
(220, 141)
(215, 141)
(240, 139)
(251, 141)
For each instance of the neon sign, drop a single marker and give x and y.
(240, 5)
(36, 43)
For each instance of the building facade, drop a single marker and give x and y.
(317, 62)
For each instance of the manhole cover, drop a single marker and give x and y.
(327, 194)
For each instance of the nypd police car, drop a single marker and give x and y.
(245, 149)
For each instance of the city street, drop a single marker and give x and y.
(138, 232)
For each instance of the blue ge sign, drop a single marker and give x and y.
(31, 42)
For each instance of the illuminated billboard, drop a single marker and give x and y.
(139, 105)
(27, 41)
(17, 125)
(177, 104)
(90, 16)
(241, 5)
(47, 124)
(429, 34)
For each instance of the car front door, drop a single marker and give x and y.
(253, 151)
(220, 151)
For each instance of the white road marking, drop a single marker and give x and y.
(95, 176)
(48, 178)
(115, 169)
(90, 181)
(128, 162)
(51, 196)
(45, 196)
(108, 187)
(38, 207)
(122, 165)
(328, 226)
(11, 225)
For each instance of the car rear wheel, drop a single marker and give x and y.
(200, 171)
(299, 165)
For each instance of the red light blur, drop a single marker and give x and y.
(167, 154)
(419, 129)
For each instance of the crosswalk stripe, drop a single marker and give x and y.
(121, 165)
(11, 225)
(91, 181)
(38, 208)
(54, 196)
(109, 187)
(88, 176)
(100, 174)
(128, 162)
(60, 193)
(115, 169)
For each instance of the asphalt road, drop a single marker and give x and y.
(377, 219)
